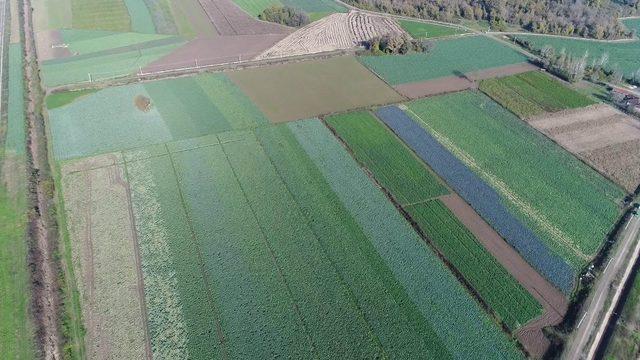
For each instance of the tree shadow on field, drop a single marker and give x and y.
(460, 74)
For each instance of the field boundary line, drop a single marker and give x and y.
(324, 251)
(274, 258)
(504, 189)
(203, 269)
(138, 259)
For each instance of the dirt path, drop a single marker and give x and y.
(552, 300)
(42, 226)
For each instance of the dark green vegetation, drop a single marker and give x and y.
(625, 341)
(597, 19)
(392, 164)
(61, 99)
(511, 302)
(420, 30)
(285, 15)
(533, 93)
(451, 57)
(567, 204)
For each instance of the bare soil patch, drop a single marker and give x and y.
(214, 51)
(435, 87)
(143, 103)
(229, 19)
(501, 71)
(600, 135)
(335, 32)
(49, 45)
(554, 303)
(307, 89)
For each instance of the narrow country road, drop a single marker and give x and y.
(602, 301)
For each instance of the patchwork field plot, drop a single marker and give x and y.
(310, 88)
(334, 32)
(622, 55)
(392, 164)
(422, 30)
(110, 15)
(533, 93)
(103, 244)
(603, 137)
(494, 190)
(178, 109)
(449, 58)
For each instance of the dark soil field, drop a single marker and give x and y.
(312, 88)
(229, 19)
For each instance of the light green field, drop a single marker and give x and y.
(256, 7)
(420, 30)
(452, 57)
(81, 42)
(632, 24)
(533, 93)
(111, 15)
(315, 8)
(141, 20)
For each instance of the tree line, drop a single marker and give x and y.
(585, 18)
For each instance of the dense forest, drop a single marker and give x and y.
(589, 18)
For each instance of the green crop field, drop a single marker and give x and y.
(310, 88)
(622, 55)
(533, 93)
(109, 120)
(81, 42)
(452, 57)
(141, 20)
(111, 15)
(632, 24)
(566, 203)
(256, 7)
(511, 302)
(392, 164)
(421, 30)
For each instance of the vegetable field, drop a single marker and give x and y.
(622, 55)
(452, 57)
(421, 30)
(533, 93)
(392, 164)
(511, 302)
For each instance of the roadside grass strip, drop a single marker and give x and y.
(109, 120)
(450, 57)
(422, 30)
(484, 199)
(622, 55)
(392, 164)
(15, 136)
(403, 331)
(110, 15)
(569, 205)
(457, 319)
(510, 301)
(141, 21)
(533, 93)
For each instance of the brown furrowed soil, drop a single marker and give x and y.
(554, 303)
(214, 51)
(105, 260)
(229, 19)
(308, 89)
(603, 137)
(335, 32)
(435, 87)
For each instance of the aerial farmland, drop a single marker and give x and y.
(256, 179)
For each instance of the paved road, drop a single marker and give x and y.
(602, 301)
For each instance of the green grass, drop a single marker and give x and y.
(108, 120)
(256, 7)
(566, 203)
(83, 42)
(391, 163)
(141, 20)
(625, 342)
(622, 55)
(14, 143)
(61, 99)
(533, 93)
(111, 15)
(421, 30)
(451, 57)
(632, 24)
(510, 301)
(16, 331)
(456, 318)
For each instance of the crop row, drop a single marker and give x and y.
(532, 93)
(392, 164)
(511, 302)
(480, 196)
